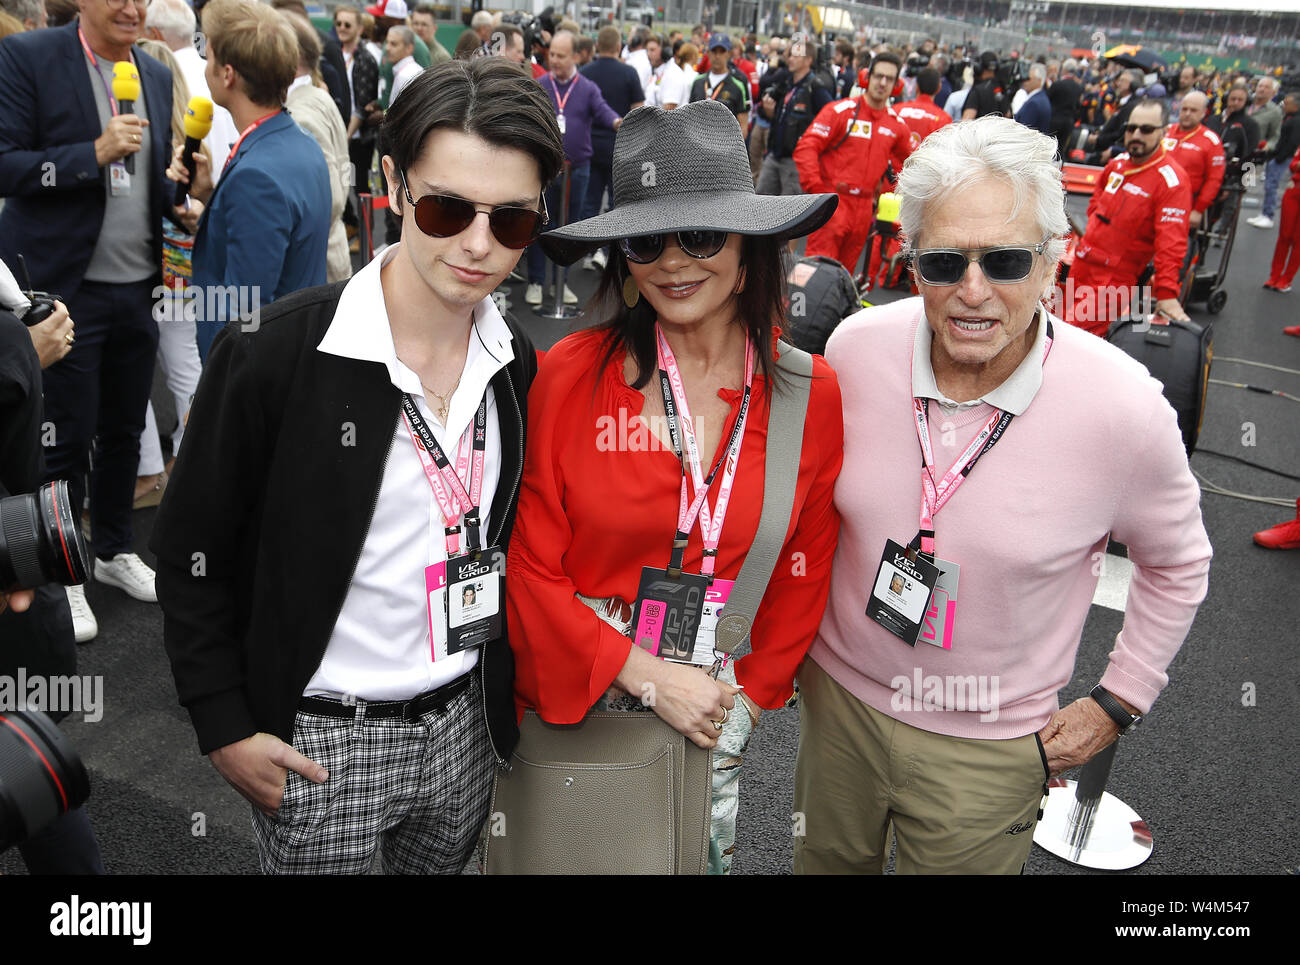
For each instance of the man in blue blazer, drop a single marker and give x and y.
(91, 230)
(262, 231)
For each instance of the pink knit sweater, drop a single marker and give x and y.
(1097, 452)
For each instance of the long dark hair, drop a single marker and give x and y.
(759, 307)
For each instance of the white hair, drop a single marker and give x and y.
(482, 18)
(1070, 65)
(994, 147)
(1038, 71)
(174, 19)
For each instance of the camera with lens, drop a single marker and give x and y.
(916, 62)
(40, 540)
(41, 775)
(1012, 74)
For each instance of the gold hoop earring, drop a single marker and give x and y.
(631, 294)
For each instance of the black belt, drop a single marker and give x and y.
(408, 710)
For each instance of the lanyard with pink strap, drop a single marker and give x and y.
(448, 489)
(682, 431)
(935, 495)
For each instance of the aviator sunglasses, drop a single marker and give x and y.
(441, 216)
(697, 244)
(1146, 129)
(1001, 264)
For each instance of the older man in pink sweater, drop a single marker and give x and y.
(989, 453)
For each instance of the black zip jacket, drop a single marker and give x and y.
(267, 510)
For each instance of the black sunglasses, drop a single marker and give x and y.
(697, 244)
(1001, 264)
(441, 216)
(1144, 128)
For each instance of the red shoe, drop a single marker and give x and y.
(1283, 536)
(1292, 330)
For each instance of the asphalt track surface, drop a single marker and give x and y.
(1212, 772)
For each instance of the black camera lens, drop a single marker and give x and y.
(40, 541)
(41, 775)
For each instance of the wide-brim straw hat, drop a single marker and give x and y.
(686, 170)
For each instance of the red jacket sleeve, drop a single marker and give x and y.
(1174, 205)
(902, 149)
(565, 656)
(1215, 165)
(792, 607)
(827, 128)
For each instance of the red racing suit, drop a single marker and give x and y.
(1199, 152)
(923, 117)
(844, 155)
(1138, 212)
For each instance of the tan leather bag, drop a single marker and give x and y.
(624, 793)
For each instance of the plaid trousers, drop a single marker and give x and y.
(418, 792)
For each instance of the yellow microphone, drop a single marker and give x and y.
(198, 121)
(126, 89)
(887, 209)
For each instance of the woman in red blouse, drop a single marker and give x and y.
(692, 297)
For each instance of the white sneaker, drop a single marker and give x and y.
(128, 572)
(1260, 221)
(533, 295)
(599, 259)
(569, 297)
(84, 625)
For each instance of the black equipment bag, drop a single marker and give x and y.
(1178, 355)
(822, 294)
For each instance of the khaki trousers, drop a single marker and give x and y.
(957, 805)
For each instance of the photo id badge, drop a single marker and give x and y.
(119, 181)
(715, 598)
(901, 595)
(474, 598)
(668, 613)
(435, 581)
(941, 614)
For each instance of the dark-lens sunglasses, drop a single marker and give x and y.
(697, 244)
(1146, 129)
(440, 216)
(1001, 264)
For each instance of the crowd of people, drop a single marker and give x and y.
(323, 670)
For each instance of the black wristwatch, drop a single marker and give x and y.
(1122, 718)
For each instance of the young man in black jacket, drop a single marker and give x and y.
(352, 463)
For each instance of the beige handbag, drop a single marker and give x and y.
(624, 793)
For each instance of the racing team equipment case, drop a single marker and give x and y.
(1178, 355)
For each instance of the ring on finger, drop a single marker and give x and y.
(726, 715)
(717, 724)
(69, 338)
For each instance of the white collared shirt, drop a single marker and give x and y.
(404, 71)
(1013, 395)
(380, 648)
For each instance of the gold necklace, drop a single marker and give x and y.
(443, 400)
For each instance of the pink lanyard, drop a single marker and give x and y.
(234, 148)
(108, 89)
(934, 496)
(448, 489)
(674, 392)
